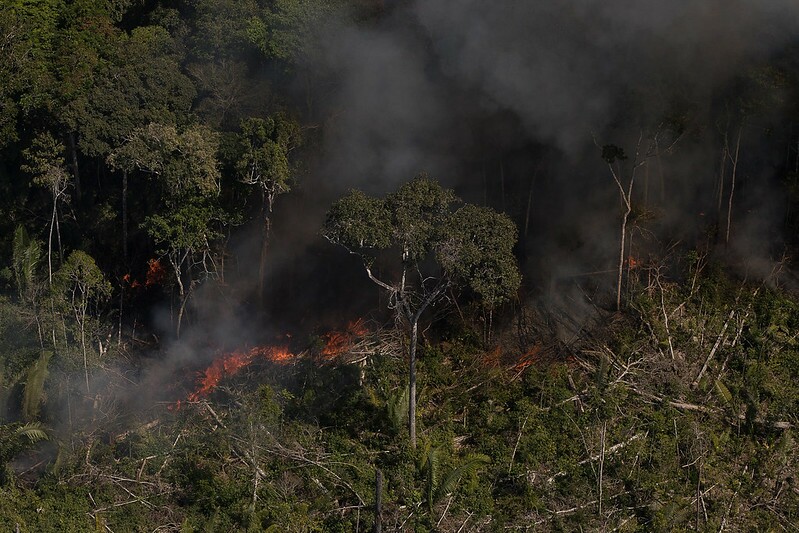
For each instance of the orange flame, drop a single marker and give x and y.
(527, 359)
(340, 342)
(633, 262)
(232, 363)
(493, 357)
(155, 273)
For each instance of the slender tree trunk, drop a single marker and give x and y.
(125, 215)
(73, 149)
(266, 232)
(85, 356)
(412, 383)
(181, 311)
(622, 246)
(734, 170)
(58, 234)
(50, 246)
(626, 200)
(378, 527)
(181, 294)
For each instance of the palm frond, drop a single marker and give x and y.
(34, 386)
(470, 464)
(397, 406)
(26, 254)
(431, 469)
(33, 431)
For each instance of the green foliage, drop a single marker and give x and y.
(221, 28)
(187, 227)
(285, 28)
(265, 146)
(14, 439)
(45, 161)
(479, 250)
(397, 408)
(114, 82)
(25, 258)
(162, 93)
(81, 282)
(184, 162)
(473, 245)
(34, 386)
(438, 484)
(48, 508)
(359, 221)
(418, 212)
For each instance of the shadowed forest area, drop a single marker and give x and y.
(389, 265)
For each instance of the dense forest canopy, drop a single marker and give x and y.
(573, 223)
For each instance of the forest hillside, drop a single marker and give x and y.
(373, 265)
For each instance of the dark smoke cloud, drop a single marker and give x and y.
(455, 87)
(390, 117)
(562, 66)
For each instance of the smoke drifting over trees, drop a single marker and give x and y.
(601, 303)
(470, 91)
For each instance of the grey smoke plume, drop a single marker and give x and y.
(476, 92)
(562, 66)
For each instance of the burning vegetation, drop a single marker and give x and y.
(338, 346)
(637, 162)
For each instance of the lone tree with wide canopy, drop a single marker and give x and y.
(435, 242)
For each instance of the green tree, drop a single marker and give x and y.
(45, 161)
(185, 168)
(285, 29)
(114, 83)
(80, 285)
(287, 33)
(266, 146)
(434, 247)
(28, 31)
(438, 486)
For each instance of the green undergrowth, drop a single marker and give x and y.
(615, 432)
